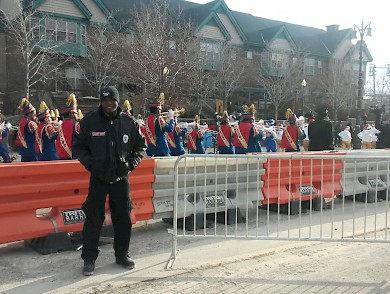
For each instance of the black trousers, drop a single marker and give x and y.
(94, 209)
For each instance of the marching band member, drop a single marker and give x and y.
(45, 135)
(320, 131)
(4, 132)
(25, 138)
(126, 108)
(65, 130)
(195, 139)
(279, 135)
(155, 128)
(291, 133)
(80, 115)
(247, 137)
(225, 136)
(270, 136)
(175, 139)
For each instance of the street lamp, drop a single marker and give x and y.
(303, 84)
(363, 30)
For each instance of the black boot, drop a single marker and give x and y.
(125, 261)
(89, 267)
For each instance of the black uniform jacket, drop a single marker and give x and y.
(108, 147)
(320, 135)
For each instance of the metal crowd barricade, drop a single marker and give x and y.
(319, 204)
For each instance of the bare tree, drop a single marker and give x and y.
(231, 71)
(379, 86)
(161, 49)
(106, 56)
(30, 47)
(283, 74)
(336, 86)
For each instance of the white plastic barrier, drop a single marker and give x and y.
(207, 184)
(368, 175)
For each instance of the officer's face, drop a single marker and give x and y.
(109, 105)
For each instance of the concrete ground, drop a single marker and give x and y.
(203, 265)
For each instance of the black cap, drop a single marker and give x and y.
(321, 109)
(111, 92)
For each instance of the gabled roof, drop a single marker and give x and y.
(78, 3)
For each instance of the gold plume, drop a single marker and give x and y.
(126, 105)
(80, 114)
(289, 112)
(52, 114)
(43, 107)
(71, 100)
(56, 112)
(24, 103)
(161, 98)
(225, 114)
(197, 119)
(252, 109)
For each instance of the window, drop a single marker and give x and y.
(72, 32)
(172, 48)
(210, 51)
(83, 35)
(75, 78)
(61, 30)
(50, 29)
(34, 27)
(249, 55)
(309, 66)
(319, 67)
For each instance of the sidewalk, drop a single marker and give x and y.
(206, 266)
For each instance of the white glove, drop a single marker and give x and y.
(171, 114)
(8, 125)
(185, 125)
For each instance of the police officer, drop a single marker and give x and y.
(320, 131)
(384, 135)
(109, 145)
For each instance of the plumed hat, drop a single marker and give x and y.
(160, 101)
(52, 113)
(126, 106)
(197, 119)
(250, 111)
(225, 116)
(289, 112)
(56, 112)
(26, 107)
(80, 114)
(43, 110)
(271, 122)
(71, 104)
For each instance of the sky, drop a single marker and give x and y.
(320, 13)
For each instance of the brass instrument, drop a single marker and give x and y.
(176, 112)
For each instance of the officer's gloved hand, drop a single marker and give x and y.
(185, 125)
(171, 114)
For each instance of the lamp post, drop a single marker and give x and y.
(303, 84)
(362, 31)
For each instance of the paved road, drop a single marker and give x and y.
(207, 265)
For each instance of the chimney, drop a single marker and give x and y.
(332, 28)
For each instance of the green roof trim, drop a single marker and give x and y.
(285, 33)
(107, 12)
(78, 3)
(232, 19)
(83, 8)
(214, 17)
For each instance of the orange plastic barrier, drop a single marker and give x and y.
(59, 187)
(300, 178)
